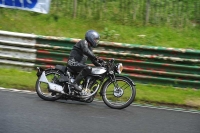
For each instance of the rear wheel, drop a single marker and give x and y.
(118, 96)
(42, 88)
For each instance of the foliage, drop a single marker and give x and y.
(54, 25)
(109, 34)
(175, 13)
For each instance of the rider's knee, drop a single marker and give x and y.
(87, 70)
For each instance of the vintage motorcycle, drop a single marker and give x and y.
(117, 91)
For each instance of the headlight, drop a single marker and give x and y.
(119, 68)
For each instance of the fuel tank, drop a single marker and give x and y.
(98, 70)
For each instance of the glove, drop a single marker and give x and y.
(96, 62)
(100, 60)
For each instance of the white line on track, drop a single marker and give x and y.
(134, 104)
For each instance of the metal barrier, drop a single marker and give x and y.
(145, 64)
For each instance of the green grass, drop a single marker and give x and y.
(50, 25)
(18, 79)
(154, 94)
(168, 95)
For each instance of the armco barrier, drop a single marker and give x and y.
(146, 64)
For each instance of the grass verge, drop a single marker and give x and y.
(40, 24)
(153, 94)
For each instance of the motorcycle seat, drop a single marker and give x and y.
(71, 70)
(61, 68)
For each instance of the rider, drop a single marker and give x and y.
(79, 54)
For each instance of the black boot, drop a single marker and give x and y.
(77, 81)
(87, 70)
(76, 87)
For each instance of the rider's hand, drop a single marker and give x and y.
(100, 60)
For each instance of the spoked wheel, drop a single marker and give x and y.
(119, 95)
(42, 88)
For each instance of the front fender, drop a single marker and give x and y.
(127, 79)
(109, 80)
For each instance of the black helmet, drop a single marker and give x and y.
(92, 37)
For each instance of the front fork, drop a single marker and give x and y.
(113, 80)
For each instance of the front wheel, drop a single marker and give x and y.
(119, 95)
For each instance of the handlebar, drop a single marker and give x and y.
(109, 63)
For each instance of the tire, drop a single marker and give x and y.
(42, 88)
(121, 97)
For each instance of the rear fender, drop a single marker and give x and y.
(39, 71)
(52, 86)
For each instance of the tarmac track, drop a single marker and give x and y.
(25, 112)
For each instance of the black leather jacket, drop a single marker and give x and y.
(80, 52)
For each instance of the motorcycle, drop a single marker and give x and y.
(117, 91)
